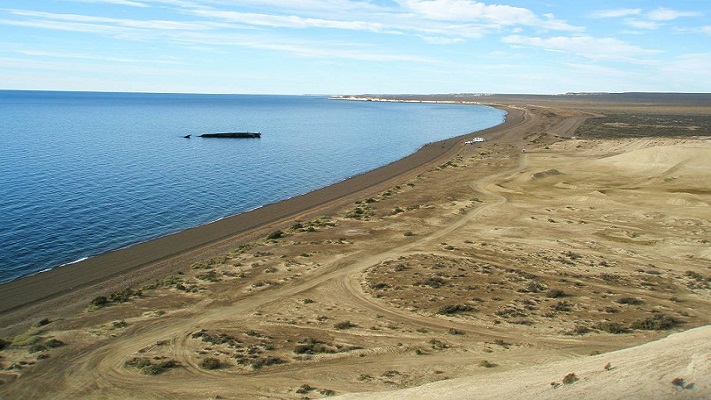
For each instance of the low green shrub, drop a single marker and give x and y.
(210, 363)
(454, 309)
(658, 322)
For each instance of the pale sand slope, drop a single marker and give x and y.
(661, 160)
(642, 372)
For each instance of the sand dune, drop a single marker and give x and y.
(676, 367)
(659, 160)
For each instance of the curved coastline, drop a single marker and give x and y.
(70, 285)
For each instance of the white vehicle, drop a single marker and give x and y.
(475, 140)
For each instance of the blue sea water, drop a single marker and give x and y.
(82, 173)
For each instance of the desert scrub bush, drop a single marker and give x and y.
(433, 282)
(361, 212)
(632, 301)
(379, 286)
(210, 276)
(450, 309)
(658, 322)
(313, 346)
(610, 277)
(159, 368)
(42, 322)
(535, 287)
(148, 367)
(570, 379)
(262, 362)
(344, 325)
(304, 389)
(275, 235)
(555, 294)
(210, 363)
(98, 302)
(562, 306)
(4, 343)
(438, 344)
(119, 324)
(611, 327)
(53, 343)
(453, 331)
(28, 338)
(36, 348)
(487, 364)
(125, 295)
(578, 330)
(408, 233)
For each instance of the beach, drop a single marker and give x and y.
(543, 262)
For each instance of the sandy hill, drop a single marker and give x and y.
(676, 367)
(689, 160)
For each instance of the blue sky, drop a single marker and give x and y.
(356, 46)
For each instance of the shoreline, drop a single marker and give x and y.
(154, 259)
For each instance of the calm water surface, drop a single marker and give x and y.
(85, 173)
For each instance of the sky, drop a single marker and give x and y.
(356, 46)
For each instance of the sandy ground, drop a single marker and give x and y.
(493, 273)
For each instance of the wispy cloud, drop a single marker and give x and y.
(287, 21)
(469, 10)
(129, 3)
(617, 13)
(594, 48)
(92, 57)
(129, 23)
(654, 19)
(204, 32)
(667, 14)
(642, 24)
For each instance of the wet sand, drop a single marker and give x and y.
(68, 288)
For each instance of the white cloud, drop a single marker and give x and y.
(692, 66)
(94, 57)
(129, 3)
(586, 46)
(617, 13)
(206, 32)
(642, 24)
(288, 21)
(645, 20)
(470, 10)
(333, 50)
(667, 14)
(106, 22)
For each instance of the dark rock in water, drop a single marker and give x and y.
(232, 135)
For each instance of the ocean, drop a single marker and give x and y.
(83, 173)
